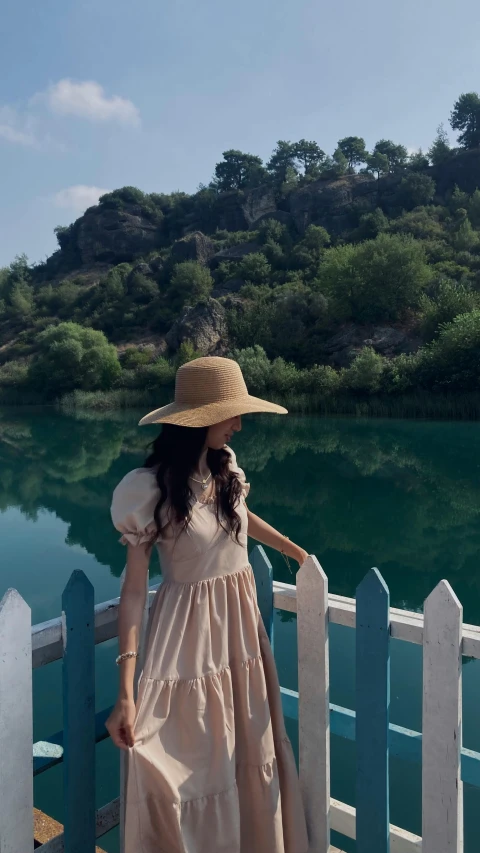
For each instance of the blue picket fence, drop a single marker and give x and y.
(445, 763)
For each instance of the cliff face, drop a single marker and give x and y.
(240, 210)
(326, 203)
(114, 236)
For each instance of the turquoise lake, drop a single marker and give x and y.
(403, 496)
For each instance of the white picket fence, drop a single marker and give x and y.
(439, 630)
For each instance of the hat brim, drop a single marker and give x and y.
(210, 413)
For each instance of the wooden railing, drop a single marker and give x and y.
(445, 764)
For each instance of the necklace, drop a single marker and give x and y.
(203, 483)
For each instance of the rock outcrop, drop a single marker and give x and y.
(282, 216)
(204, 325)
(326, 202)
(156, 264)
(341, 349)
(235, 253)
(233, 285)
(114, 236)
(258, 203)
(143, 269)
(193, 247)
(240, 210)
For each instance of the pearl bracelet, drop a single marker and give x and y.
(125, 656)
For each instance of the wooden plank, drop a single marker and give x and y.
(442, 793)
(285, 596)
(16, 726)
(46, 828)
(47, 754)
(47, 636)
(372, 696)
(405, 625)
(343, 819)
(79, 714)
(313, 710)
(106, 819)
(404, 743)
(263, 573)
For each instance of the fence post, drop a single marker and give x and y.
(16, 734)
(313, 701)
(372, 638)
(263, 573)
(442, 792)
(78, 634)
(138, 670)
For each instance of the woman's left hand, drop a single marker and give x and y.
(301, 556)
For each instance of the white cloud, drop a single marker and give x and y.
(79, 197)
(17, 129)
(87, 99)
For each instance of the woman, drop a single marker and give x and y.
(210, 768)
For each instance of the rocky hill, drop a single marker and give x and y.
(313, 271)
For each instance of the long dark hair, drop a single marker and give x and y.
(175, 454)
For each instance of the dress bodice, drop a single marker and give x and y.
(203, 550)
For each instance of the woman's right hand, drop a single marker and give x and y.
(120, 724)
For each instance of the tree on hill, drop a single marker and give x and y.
(283, 161)
(466, 117)
(375, 281)
(190, 282)
(122, 196)
(238, 171)
(452, 360)
(440, 147)
(309, 155)
(69, 357)
(418, 161)
(416, 190)
(16, 291)
(353, 148)
(397, 155)
(377, 164)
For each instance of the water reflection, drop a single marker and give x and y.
(401, 495)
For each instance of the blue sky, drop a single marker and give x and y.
(97, 94)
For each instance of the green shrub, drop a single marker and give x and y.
(186, 353)
(400, 373)
(13, 374)
(134, 357)
(320, 380)
(255, 368)
(156, 375)
(365, 374)
(271, 229)
(190, 282)
(450, 300)
(452, 360)
(415, 190)
(379, 280)
(71, 357)
(254, 268)
(423, 223)
(141, 289)
(283, 376)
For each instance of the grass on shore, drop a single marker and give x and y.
(415, 405)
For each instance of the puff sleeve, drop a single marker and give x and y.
(133, 504)
(234, 466)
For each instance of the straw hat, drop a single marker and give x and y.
(208, 391)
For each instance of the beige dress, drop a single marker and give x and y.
(212, 769)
